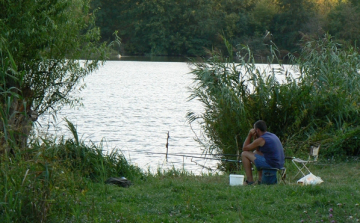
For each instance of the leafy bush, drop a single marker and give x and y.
(318, 96)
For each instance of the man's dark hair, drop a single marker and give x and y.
(260, 125)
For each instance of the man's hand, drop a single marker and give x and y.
(252, 133)
(257, 141)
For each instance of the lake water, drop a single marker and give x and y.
(132, 106)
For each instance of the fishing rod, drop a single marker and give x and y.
(208, 154)
(196, 156)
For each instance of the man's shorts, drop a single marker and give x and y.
(260, 162)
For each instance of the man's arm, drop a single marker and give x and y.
(248, 146)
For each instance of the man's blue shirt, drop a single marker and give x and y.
(273, 150)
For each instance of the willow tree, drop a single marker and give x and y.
(41, 44)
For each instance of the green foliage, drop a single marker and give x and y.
(41, 43)
(332, 72)
(343, 22)
(48, 179)
(292, 17)
(153, 27)
(318, 96)
(45, 41)
(8, 93)
(345, 143)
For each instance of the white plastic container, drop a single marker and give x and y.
(236, 180)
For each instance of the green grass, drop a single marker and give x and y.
(179, 197)
(64, 182)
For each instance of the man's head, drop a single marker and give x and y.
(260, 125)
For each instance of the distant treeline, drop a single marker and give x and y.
(189, 27)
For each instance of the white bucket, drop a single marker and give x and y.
(236, 180)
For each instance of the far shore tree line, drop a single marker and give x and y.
(188, 27)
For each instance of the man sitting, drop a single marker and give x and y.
(269, 152)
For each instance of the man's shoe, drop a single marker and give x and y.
(249, 183)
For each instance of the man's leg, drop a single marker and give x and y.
(247, 157)
(259, 170)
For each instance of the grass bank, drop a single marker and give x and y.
(63, 180)
(177, 196)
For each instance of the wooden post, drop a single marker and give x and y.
(167, 146)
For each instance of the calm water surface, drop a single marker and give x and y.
(131, 106)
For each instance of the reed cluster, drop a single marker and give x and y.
(316, 102)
